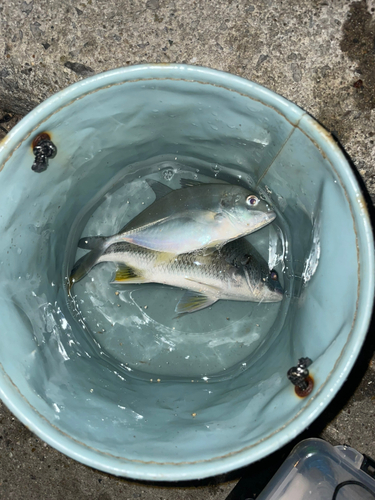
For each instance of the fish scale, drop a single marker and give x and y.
(197, 216)
(236, 272)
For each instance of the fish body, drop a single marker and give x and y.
(198, 216)
(235, 272)
(185, 220)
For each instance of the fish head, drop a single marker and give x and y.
(263, 282)
(246, 210)
(273, 291)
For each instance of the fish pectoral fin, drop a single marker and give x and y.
(193, 301)
(158, 188)
(126, 274)
(202, 217)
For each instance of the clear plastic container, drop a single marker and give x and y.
(315, 470)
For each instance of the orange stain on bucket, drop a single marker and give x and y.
(44, 136)
(303, 393)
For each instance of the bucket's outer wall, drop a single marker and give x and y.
(75, 402)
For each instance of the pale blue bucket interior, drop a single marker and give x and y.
(116, 381)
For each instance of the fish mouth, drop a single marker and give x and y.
(277, 291)
(275, 295)
(270, 216)
(264, 218)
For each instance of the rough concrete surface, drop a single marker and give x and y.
(318, 53)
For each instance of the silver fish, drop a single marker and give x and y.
(236, 272)
(184, 220)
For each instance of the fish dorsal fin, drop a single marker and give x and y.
(158, 188)
(193, 301)
(160, 191)
(126, 274)
(185, 183)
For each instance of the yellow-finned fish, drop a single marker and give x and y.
(184, 220)
(235, 272)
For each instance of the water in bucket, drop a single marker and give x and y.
(137, 324)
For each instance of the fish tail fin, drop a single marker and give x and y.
(91, 242)
(84, 265)
(126, 274)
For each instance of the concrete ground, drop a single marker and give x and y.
(318, 53)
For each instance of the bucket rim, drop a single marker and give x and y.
(120, 466)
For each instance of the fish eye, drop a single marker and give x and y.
(252, 200)
(273, 275)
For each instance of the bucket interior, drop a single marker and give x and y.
(115, 370)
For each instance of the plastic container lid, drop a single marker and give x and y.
(315, 470)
